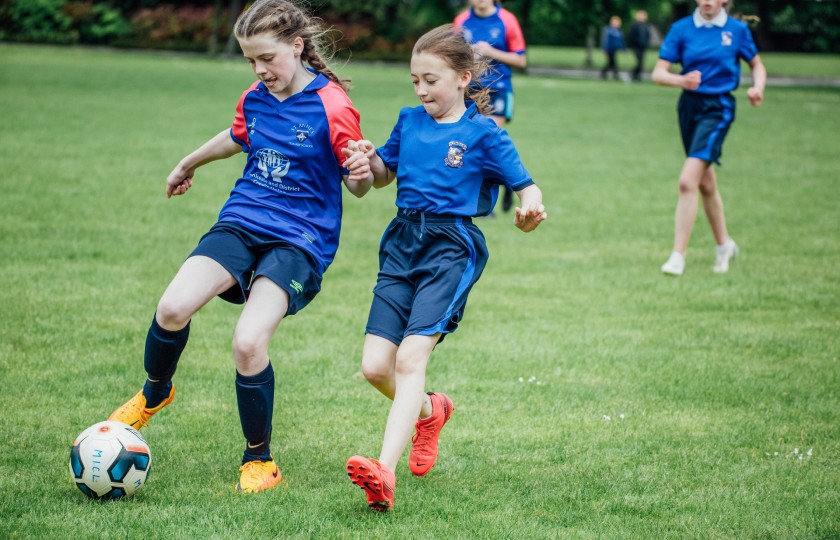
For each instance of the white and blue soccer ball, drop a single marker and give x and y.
(110, 460)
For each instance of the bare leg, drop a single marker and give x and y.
(692, 172)
(410, 378)
(266, 307)
(197, 282)
(713, 206)
(378, 366)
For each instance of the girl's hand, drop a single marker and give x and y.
(528, 220)
(365, 146)
(756, 95)
(482, 48)
(179, 181)
(357, 162)
(692, 80)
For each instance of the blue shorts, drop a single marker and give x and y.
(502, 103)
(704, 123)
(427, 265)
(248, 255)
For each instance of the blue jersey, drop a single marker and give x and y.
(714, 49)
(502, 31)
(290, 188)
(453, 168)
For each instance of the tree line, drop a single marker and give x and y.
(386, 28)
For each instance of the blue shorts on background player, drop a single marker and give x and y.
(709, 44)
(299, 131)
(496, 36)
(448, 159)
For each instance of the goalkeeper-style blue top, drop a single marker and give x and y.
(714, 48)
(290, 188)
(455, 168)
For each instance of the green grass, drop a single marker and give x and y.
(709, 381)
(778, 64)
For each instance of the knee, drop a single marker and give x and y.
(708, 186)
(687, 185)
(171, 315)
(246, 346)
(377, 370)
(408, 362)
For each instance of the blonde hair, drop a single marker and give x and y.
(447, 43)
(286, 21)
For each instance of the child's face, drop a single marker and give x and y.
(274, 62)
(709, 9)
(482, 5)
(439, 87)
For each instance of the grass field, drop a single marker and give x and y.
(595, 398)
(778, 64)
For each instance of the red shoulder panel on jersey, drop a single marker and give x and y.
(342, 118)
(239, 129)
(513, 32)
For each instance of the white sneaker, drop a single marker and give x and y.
(675, 265)
(725, 254)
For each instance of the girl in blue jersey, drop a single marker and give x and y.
(278, 231)
(710, 45)
(449, 160)
(496, 36)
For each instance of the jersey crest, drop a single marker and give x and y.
(455, 156)
(726, 38)
(272, 163)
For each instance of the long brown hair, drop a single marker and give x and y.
(447, 43)
(286, 21)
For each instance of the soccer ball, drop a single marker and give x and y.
(110, 460)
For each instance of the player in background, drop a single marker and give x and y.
(710, 46)
(495, 35)
(447, 157)
(278, 231)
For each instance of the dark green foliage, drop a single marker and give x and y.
(40, 21)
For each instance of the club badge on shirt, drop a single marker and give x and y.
(455, 156)
(726, 39)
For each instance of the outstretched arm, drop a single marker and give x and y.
(662, 76)
(360, 179)
(219, 147)
(532, 212)
(382, 175)
(759, 75)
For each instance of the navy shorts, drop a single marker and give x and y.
(502, 103)
(704, 123)
(427, 265)
(248, 255)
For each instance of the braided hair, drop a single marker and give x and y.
(286, 21)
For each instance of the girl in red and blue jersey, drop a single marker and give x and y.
(278, 231)
(495, 35)
(449, 160)
(710, 46)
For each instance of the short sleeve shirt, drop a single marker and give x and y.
(290, 188)
(502, 31)
(455, 168)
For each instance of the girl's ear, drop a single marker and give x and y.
(464, 79)
(297, 46)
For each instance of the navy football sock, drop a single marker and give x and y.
(163, 350)
(255, 396)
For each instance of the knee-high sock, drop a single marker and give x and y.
(255, 396)
(163, 350)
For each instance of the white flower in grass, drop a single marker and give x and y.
(621, 416)
(795, 451)
(521, 379)
(775, 453)
(606, 418)
(809, 452)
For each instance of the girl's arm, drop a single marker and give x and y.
(759, 75)
(360, 179)
(532, 212)
(662, 76)
(510, 58)
(382, 175)
(219, 147)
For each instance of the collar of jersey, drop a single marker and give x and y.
(718, 21)
(314, 85)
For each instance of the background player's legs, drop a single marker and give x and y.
(689, 183)
(266, 307)
(713, 205)
(410, 382)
